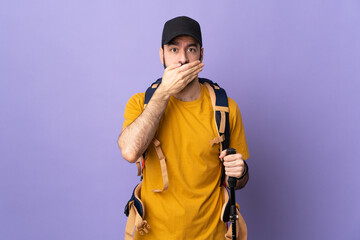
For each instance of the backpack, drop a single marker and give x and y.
(135, 210)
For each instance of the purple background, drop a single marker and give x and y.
(67, 69)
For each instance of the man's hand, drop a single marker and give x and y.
(234, 164)
(176, 77)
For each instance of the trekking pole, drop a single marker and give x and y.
(232, 184)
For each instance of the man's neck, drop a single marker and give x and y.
(191, 92)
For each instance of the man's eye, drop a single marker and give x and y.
(192, 49)
(173, 50)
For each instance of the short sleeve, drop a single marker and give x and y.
(237, 131)
(133, 108)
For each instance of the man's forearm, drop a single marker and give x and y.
(135, 138)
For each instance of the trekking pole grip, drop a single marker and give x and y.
(232, 180)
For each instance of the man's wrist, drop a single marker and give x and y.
(162, 93)
(245, 172)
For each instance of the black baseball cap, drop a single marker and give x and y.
(181, 26)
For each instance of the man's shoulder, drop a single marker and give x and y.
(234, 109)
(232, 103)
(138, 96)
(136, 100)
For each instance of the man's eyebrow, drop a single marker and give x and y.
(192, 45)
(173, 43)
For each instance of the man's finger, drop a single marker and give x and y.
(233, 164)
(233, 157)
(192, 69)
(235, 170)
(173, 66)
(222, 154)
(235, 174)
(189, 65)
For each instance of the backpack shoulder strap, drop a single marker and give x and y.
(221, 111)
(150, 91)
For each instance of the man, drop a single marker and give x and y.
(180, 115)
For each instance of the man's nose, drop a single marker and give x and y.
(183, 58)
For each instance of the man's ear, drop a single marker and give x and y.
(201, 54)
(161, 55)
